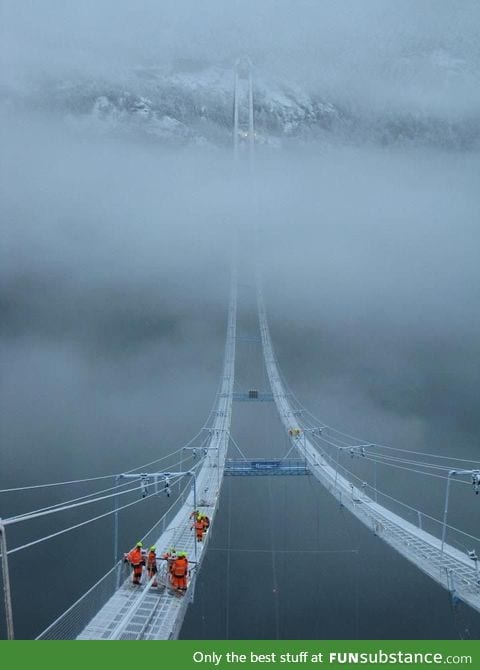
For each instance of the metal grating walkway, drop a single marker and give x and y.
(157, 613)
(452, 569)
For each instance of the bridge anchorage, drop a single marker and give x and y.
(113, 609)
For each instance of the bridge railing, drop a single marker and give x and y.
(70, 624)
(463, 541)
(455, 537)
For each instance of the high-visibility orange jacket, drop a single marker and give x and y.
(151, 559)
(180, 567)
(135, 556)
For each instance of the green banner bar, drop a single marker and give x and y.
(210, 654)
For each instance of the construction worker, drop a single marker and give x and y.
(179, 571)
(206, 522)
(199, 528)
(152, 565)
(137, 560)
(169, 555)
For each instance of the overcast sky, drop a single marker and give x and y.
(361, 49)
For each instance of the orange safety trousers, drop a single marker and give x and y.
(179, 574)
(199, 529)
(137, 573)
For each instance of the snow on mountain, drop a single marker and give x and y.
(194, 105)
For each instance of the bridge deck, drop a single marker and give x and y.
(148, 612)
(155, 613)
(451, 568)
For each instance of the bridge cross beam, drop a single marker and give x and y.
(352, 450)
(194, 450)
(146, 477)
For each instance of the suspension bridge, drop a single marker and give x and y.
(190, 480)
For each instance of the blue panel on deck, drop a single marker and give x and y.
(248, 397)
(265, 467)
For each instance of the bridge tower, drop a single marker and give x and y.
(243, 124)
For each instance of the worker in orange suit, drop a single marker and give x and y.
(199, 528)
(137, 560)
(206, 522)
(152, 565)
(179, 572)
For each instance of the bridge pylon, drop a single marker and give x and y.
(243, 119)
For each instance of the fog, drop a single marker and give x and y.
(379, 55)
(115, 250)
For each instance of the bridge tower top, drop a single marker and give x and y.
(243, 122)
